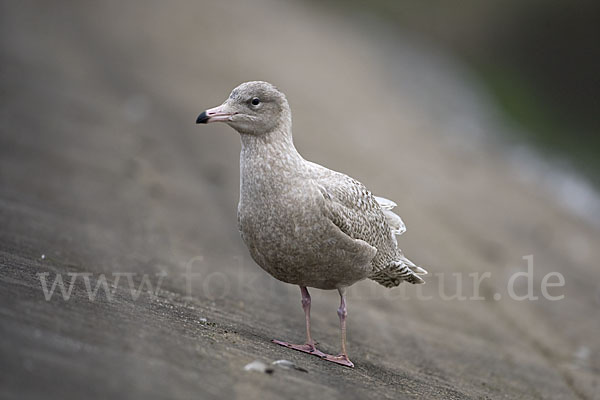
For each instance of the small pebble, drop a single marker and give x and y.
(259, 366)
(43, 257)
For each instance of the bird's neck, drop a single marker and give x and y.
(269, 158)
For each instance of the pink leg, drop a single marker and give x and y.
(342, 358)
(309, 346)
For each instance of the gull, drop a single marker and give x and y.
(305, 224)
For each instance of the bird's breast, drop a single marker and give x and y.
(291, 239)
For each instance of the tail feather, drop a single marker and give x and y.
(385, 204)
(395, 222)
(402, 269)
(398, 272)
(419, 271)
(415, 268)
(393, 219)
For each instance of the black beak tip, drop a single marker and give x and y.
(202, 118)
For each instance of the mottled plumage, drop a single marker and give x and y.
(303, 223)
(360, 215)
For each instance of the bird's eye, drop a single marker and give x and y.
(255, 101)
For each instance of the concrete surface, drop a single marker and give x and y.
(103, 172)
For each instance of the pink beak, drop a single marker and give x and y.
(215, 114)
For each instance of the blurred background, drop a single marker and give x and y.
(480, 119)
(538, 60)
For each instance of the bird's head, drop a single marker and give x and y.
(253, 108)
